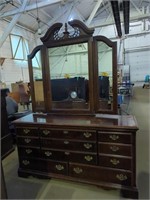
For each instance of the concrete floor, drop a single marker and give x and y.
(33, 188)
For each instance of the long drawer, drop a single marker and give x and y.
(80, 157)
(69, 145)
(93, 173)
(69, 134)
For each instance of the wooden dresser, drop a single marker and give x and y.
(99, 149)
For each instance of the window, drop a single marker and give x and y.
(19, 47)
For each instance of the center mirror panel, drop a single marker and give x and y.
(69, 75)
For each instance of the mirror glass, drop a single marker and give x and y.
(105, 76)
(69, 74)
(38, 81)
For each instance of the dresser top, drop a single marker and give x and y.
(93, 121)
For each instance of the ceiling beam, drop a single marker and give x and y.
(93, 12)
(29, 8)
(12, 24)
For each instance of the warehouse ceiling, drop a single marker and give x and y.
(38, 15)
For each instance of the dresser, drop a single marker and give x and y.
(98, 149)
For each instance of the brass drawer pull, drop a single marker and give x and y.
(114, 137)
(88, 146)
(60, 167)
(77, 170)
(114, 148)
(87, 134)
(26, 131)
(65, 132)
(66, 142)
(121, 177)
(28, 151)
(48, 153)
(114, 161)
(88, 158)
(26, 162)
(46, 132)
(27, 140)
(67, 153)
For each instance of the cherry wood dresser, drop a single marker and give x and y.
(98, 149)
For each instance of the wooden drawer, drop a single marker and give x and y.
(100, 174)
(69, 134)
(55, 167)
(28, 141)
(69, 145)
(27, 131)
(115, 137)
(28, 163)
(80, 157)
(116, 149)
(115, 162)
(28, 152)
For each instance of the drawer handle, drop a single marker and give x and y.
(114, 148)
(121, 177)
(77, 170)
(65, 132)
(66, 142)
(25, 162)
(114, 137)
(87, 134)
(88, 146)
(60, 167)
(48, 153)
(28, 151)
(46, 132)
(26, 131)
(67, 153)
(27, 140)
(114, 161)
(88, 158)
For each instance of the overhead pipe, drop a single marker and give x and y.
(126, 15)
(116, 13)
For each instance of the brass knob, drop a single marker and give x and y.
(114, 148)
(87, 134)
(26, 162)
(88, 158)
(114, 137)
(26, 131)
(46, 132)
(121, 177)
(28, 151)
(77, 170)
(27, 140)
(60, 167)
(48, 153)
(88, 146)
(114, 161)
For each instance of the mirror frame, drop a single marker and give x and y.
(113, 45)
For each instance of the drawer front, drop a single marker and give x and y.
(28, 163)
(55, 167)
(88, 158)
(114, 137)
(116, 149)
(69, 134)
(99, 174)
(27, 131)
(115, 162)
(28, 141)
(28, 152)
(69, 145)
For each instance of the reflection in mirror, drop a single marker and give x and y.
(38, 81)
(105, 76)
(69, 76)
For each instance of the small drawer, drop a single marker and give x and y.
(115, 162)
(116, 149)
(28, 141)
(115, 137)
(27, 131)
(28, 152)
(69, 134)
(69, 145)
(93, 173)
(28, 163)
